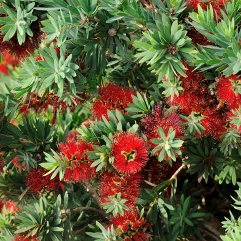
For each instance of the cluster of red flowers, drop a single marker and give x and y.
(111, 183)
(228, 94)
(75, 156)
(161, 119)
(157, 172)
(129, 154)
(39, 183)
(228, 91)
(131, 225)
(164, 120)
(112, 97)
(196, 97)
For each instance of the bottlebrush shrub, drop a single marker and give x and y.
(120, 120)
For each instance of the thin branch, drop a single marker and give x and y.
(24, 193)
(183, 166)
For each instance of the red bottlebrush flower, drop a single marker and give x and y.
(195, 96)
(129, 187)
(38, 182)
(160, 118)
(132, 225)
(214, 123)
(226, 91)
(188, 102)
(75, 151)
(100, 108)
(73, 136)
(112, 97)
(115, 93)
(4, 69)
(11, 206)
(20, 237)
(79, 169)
(129, 152)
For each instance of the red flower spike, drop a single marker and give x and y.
(100, 108)
(75, 153)
(195, 96)
(112, 97)
(214, 123)
(129, 152)
(112, 184)
(226, 91)
(37, 182)
(159, 118)
(188, 102)
(132, 225)
(73, 136)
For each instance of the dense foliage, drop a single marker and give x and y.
(120, 120)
